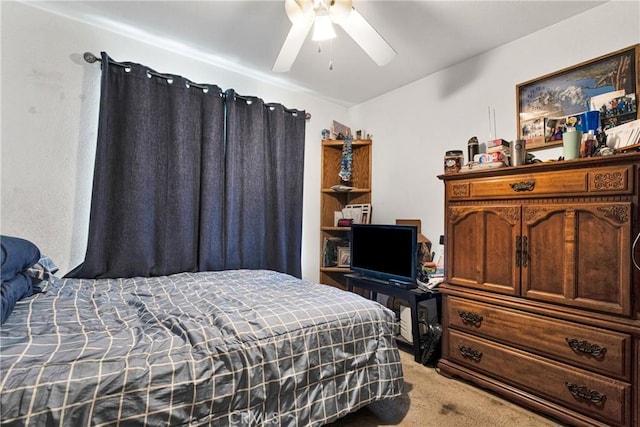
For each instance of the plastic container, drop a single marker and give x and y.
(571, 142)
(588, 145)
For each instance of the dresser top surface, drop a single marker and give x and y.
(549, 166)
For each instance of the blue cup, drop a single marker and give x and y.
(589, 121)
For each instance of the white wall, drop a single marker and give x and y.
(50, 107)
(415, 125)
(49, 123)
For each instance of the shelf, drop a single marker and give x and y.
(353, 190)
(340, 143)
(629, 148)
(335, 269)
(335, 228)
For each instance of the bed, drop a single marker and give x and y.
(240, 347)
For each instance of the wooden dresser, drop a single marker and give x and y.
(541, 297)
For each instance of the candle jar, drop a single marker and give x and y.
(453, 160)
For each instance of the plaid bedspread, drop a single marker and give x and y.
(218, 348)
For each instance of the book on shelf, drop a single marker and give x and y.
(497, 143)
(499, 149)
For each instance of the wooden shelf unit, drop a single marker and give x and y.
(331, 200)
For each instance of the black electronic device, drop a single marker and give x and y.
(385, 252)
(402, 284)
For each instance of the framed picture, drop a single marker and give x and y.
(344, 256)
(331, 245)
(544, 104)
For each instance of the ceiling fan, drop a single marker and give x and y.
(321, 14)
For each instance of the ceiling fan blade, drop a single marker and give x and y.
(297, 9)
(368, 38)
(292, 44)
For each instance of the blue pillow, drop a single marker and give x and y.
(17, 255)
(12, 291)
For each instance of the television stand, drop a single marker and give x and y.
(412, 295)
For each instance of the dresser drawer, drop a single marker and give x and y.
(593, 181)
(591, 348)
(594, 395)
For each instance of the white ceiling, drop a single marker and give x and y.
(246, 36)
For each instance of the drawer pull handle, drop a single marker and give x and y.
(523, 186)
(469, 317)
(586, 393)
(584, 346)
(470, 353)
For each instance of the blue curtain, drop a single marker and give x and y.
(263, 203)
(185, 177)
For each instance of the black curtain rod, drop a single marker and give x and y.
(91, 58)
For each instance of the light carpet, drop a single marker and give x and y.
(431, 399)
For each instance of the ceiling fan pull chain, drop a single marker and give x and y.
(331, 55)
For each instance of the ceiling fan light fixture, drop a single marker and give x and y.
(323, 29)
(322, 14)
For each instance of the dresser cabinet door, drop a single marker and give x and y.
(481, 247)
(589, 266)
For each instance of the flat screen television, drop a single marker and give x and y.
(385, 252)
